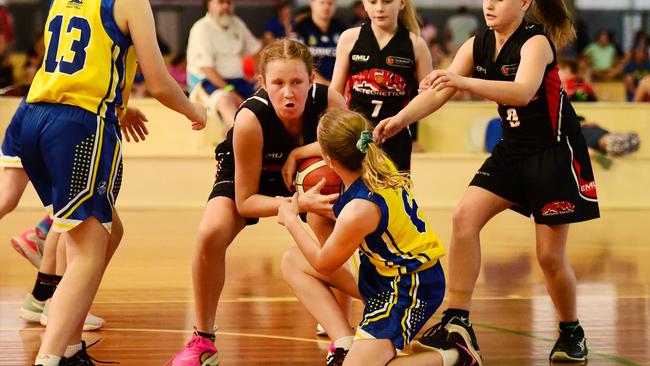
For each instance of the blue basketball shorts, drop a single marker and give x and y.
(397, 307)
(74, 160)
(10, 152)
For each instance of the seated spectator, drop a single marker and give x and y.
(281, 25)
(602, 55)
(574, 84)
(642, 92)
(178, 70)
(603, 143)
(215, 75)
(635, 70)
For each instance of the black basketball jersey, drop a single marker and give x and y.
(549, 116)
(277, 141)
(381, 81)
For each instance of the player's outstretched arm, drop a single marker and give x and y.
(136, 18)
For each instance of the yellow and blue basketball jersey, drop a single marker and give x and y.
(400, 278)
(89, 62)
(403, 242)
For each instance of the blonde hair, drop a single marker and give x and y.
(408, 18)
(339, 131)
(555, 17)
(285, 49)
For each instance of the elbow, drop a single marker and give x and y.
(156, 90)
(325, 269)
(522, 100)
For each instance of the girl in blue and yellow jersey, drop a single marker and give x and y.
(400, 278)
(71, 142)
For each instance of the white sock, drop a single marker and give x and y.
(344, 342)
(449, 356)
(47, 360)
(72, 349)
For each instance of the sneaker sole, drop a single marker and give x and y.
(87, 327)
(35, 260)
(462, 332)
(30, 316)
(563, 357)
(211, 361)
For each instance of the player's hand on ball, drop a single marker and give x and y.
(313, 201)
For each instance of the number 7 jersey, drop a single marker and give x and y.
(89, 62)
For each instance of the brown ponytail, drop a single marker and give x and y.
(556, 19)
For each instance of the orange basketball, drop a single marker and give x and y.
(311, 171)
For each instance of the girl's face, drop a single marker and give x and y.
(287, 83)
(504, 13)
(384, 13)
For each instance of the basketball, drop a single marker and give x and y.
(311, 171)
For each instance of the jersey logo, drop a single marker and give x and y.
(509, 70)
(379, 82)
(76, 4)
(399, 61)
(360, 58)
(481, 69)
(558, 208)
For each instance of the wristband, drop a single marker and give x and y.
(228, 88)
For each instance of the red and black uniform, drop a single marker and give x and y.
(542, 163)
(381, 83)
(277, 145)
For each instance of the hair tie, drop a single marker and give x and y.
(364, 140)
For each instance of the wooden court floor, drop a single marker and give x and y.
(146, 296)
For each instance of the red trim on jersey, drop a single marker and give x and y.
(553, 89)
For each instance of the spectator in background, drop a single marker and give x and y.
(459, 28)
(359, 14)
(281, 25)
(320, 32)
(215, 75)
(6, 28)
(6, 41)
(178, 70)
(430, 35)
(574, 83)
(602, 55)
(636, 69)
(642, 93)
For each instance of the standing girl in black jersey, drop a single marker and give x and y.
(541, 166)
(378, 66)
(273, 129)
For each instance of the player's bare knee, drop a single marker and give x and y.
(550, 262)
(289, 263)
(462, 222)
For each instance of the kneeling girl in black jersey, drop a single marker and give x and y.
(273, 129)
(541, 166)
(378, 66)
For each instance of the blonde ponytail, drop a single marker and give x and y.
(409, 19)
(344, 136)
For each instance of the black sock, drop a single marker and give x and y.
(569, 326)
(209, 336)
(45, 286)
(460, 313)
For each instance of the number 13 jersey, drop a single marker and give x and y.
(89, 62)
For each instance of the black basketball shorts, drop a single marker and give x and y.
(555, 185)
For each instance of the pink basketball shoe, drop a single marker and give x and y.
(198, 351)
